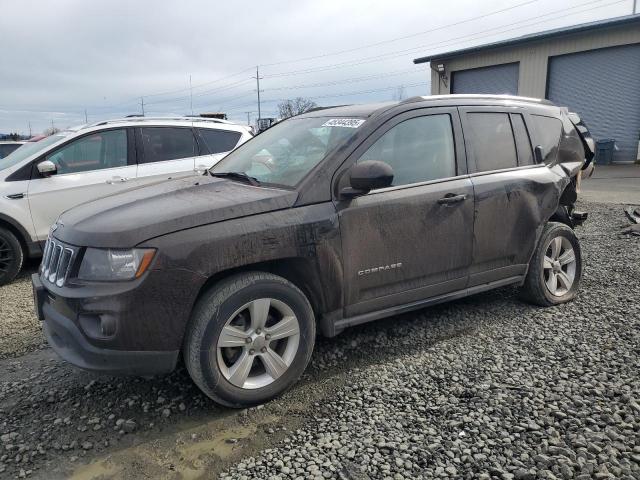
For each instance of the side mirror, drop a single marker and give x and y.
(366, 176)
(47, 168)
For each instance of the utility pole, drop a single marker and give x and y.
(85, 116)
(191, 93)
(257, 77)
(142, 105)
(29, 128)
(635, 3)
(248, 118)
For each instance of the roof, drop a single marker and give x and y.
(362, 110)
(169, 120)
(558, 32)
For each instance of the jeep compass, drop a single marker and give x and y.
(327, 220)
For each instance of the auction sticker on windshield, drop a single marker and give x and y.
(343, 122)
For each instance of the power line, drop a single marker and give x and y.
(361, 61)
(451, 41)
(397, 39)
(337, 53)
(399, 53)
(349, 80)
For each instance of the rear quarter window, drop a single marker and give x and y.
(219, 141)
(548, 131)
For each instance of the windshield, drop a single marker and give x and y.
(27, 150)
(288, 151)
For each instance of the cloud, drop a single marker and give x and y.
(71, 55)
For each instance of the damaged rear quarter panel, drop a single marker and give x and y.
(511, 209)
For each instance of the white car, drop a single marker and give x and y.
(42, 179)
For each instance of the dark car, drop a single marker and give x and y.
(327, 220)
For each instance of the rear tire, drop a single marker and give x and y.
(11, 256)
(555, 270)
(249, 339)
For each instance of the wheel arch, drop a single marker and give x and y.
(300, 271)
(21, 234)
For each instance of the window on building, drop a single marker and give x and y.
(167, 143)
(548, 131)
(419, 149)
(219, 141)
(491, 139)
(523, 143)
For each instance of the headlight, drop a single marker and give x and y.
(100, 264)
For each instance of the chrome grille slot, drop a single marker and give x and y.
(57, 262)
(45, 256)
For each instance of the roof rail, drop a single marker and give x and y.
(478, 96)
(141, 118)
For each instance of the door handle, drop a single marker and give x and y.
(451, 198)
(117, 180)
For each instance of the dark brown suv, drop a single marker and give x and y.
(330, 219)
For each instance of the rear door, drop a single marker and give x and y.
(410, 241)
(165, 152)
(88, 167)
(509, 187)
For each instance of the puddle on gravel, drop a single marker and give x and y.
(186, 455)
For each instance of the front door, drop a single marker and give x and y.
(88, 168)
(413, 240)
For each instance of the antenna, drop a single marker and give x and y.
(191, 93)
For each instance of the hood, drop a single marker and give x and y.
(126, 219)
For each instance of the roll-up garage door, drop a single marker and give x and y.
(498, 79)
(603, 87)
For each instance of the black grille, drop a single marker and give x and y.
(57, 261)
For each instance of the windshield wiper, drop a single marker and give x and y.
(237, 176)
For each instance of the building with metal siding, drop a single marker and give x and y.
(592, 68)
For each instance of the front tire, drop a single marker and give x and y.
(555, 270)
(249, 339)
(11, 256)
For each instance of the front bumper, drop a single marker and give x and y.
(147, 333)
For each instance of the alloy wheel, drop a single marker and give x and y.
(6, 256)
(258, 343)
(559, 268)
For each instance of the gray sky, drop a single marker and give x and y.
(60, 57)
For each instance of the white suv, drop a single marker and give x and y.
(42, 179)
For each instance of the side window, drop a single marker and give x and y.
(98, 151)
(167, 143)
(219, 141)
(523, 143)
(549, 130)
(418, 150)
(491, 140)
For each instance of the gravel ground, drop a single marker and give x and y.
(485, 387)
(20, 330)
(527, 393)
